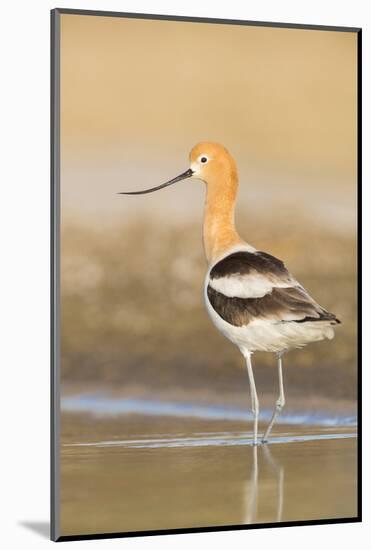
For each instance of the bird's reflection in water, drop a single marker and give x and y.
(252, 488)
(264, 455)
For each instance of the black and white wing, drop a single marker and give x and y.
(247, 286)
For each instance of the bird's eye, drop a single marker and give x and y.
(203, 160)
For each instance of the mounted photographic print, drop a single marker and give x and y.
(205, 190)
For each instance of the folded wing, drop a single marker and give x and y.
(251, 286)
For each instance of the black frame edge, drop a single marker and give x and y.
(359, 269)
(161, 532)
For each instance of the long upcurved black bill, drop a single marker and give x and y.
(187, 174)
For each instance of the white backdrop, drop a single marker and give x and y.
(24, 253)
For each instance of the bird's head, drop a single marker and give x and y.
(209, 162)
(212, 163)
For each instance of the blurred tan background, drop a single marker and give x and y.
(136, 95)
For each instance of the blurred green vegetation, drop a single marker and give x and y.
(133, 312)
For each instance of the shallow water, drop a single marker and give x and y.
(107, 405)
(207, 440)
(131, 472)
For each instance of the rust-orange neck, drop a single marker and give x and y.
(219, 233)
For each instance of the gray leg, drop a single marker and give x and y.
(280, 403)
(254, 395)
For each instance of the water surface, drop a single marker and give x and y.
(126, 471)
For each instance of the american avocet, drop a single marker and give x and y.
(250, 295)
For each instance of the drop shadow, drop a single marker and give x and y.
(42, 528)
